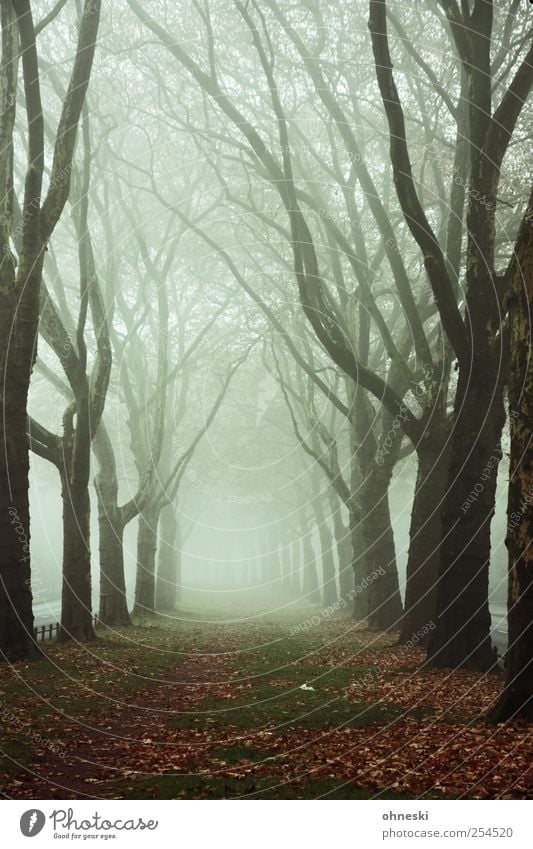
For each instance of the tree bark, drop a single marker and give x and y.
(113, 601)
(343, 546)
(478, 339)
(19, 317)
(285, 567)
(146, 550)
(309, 578)
(296, 566)
(384, 600)
(19, 292)
(357, 541)
(168, 584)
(76, 601)
(425, 534)
(379, 583)
(517, 697)
(462, 635)
(359, 566)
(16, 617)
(329, 582)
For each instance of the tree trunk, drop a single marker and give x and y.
(276, 574)
(310, 578)
(344, 549)
(378, 588)
(113, 601)
(384, 600)
(357, 541)
(76, 601)
(359, 566)
(18, 331)
(462, 635)
(425, 535)
(146, 549)
(271, 563)
(517, 697)
(19, 300)
(168, 585)
(329, 586)
(16, 616)
(296, 566)
(285, 568)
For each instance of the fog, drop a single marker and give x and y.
(269, 374)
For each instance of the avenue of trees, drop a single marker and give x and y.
(325, 206)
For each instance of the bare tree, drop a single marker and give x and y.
(21, 280)
(71, 451)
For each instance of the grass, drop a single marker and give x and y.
(76, 681)
(268, 707)
(259, 667)
(247, 787)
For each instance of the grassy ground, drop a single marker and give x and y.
(263, 707)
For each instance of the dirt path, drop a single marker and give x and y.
(133, 736)
(251, 712)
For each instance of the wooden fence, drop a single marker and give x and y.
(48, 632)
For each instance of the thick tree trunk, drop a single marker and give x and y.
(146, 550)
(16, 361)
(76, 601)
(113, 601)
(384, 600)
(377, 590)
(425, 534)
(517, 697)
(329, 585)
(168, 584)
(16, 617)
(19, 315)
(19, 297)
(462, 635)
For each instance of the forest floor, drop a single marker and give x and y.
(260, 708)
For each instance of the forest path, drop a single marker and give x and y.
(131, 731)
(272, 707)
